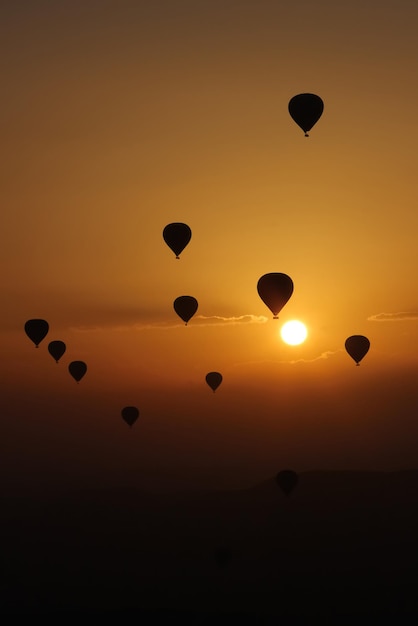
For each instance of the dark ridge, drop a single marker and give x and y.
(341, 545)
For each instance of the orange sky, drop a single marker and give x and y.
(120, 117)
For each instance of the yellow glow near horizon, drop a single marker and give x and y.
(294, 332)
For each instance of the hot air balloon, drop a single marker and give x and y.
(287, 480)
(77, 369)
(56, 349)
(36, 330)
(306, 109)
(357, 347)
(177, 235)
(214, 379)
(130, 414)
(275, 290)
(185, 307)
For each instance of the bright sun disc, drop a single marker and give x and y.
(294, 332)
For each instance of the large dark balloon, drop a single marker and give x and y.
(275, 290)
(214, 379)
(287, 480)
(77, 369)
(130, 414)
(56, 349)
(357, 347)
(306, 109)
(177, 235)
(185, 307)
(36, 330)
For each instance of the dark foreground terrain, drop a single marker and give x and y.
(342, 546)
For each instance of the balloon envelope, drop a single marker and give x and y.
(214, 379)
(185, 307)
(56, 349)
(177, 235)
(357, 347)
(36, 330)
(306, 109)
(77, 369)
(287, 480)
(275, 290)
(130, 414)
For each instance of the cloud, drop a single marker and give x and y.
(197, 320)
(323, 355)
(209, 320)
(394, 317)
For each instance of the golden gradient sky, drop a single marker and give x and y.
(119, 117)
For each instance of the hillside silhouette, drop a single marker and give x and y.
(343, 544)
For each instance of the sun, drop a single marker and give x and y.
(294, 332)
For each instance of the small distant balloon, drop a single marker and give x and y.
(287, 480)
(36, 330)
(130, 414)
(306, 109)
(56, 349)
(275, 290)
(177, 235)
(77, 369)
(185, 307)
(357, 347)
(214, 379)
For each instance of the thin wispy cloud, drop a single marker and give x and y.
(324, 355)
(209, 320)
(400, 316)
(198, 320)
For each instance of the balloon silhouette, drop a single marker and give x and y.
(130, 414)
(214, 379)
(177, 235)
(357, 347)
(36, 330)
(306, 109)
(275, 290)
(56, 349)
(185, 307)
(77, 369)
(287, 480)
